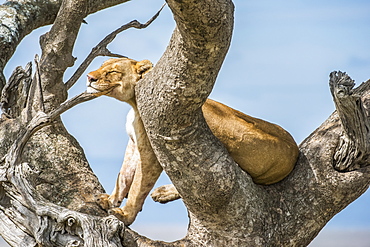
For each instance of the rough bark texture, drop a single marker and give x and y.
(47, 187)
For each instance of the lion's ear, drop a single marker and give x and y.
(143, 66)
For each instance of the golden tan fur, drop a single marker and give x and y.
(264, 150)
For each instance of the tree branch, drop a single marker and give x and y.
(354, 147)
(314, 192)
(102, 50)
(169, 100)
(14, 94)
(19, 18)
(57, 46)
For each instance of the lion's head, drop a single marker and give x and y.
(117, 78)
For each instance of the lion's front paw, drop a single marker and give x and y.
(103, 201)
(165, 193)
(126, 217)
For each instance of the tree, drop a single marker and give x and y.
(234, 212)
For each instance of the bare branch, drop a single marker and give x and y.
(57, 46)
(170, 105)
(83, 97)
(102, 50)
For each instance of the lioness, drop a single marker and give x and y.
(264, 150)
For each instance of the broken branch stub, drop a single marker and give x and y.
(14, 94)
(354, 148)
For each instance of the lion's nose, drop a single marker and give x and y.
(91, 78)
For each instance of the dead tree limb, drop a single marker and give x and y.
(14, 94)
(354, 146)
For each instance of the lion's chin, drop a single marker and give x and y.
(96, 92)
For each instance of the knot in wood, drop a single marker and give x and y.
(70, 221)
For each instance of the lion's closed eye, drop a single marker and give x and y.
(114, 76)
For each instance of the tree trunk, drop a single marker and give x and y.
(47, 187)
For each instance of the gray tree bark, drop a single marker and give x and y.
(47, 187)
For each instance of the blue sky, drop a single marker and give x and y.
(277, 69)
